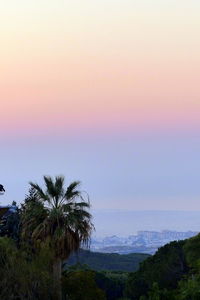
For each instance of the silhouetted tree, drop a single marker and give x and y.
(58, 216)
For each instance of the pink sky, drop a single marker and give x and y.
(104, 66)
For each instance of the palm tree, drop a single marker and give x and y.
(58, 216)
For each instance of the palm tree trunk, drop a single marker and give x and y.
(57, 274)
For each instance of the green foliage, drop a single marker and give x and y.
(81, 285)
(104, 261)
(192, 252)
(24, 277)
(189, 288)
(33, 213)
(171, 274)
(154, 293)
(165, 268)
(113, 283)
(136, 286)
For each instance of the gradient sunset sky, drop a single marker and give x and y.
(103, 91)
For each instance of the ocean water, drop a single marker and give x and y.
(124, 223)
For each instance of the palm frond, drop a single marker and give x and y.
(82, 205)
(72, 191)
(39, 191)
(59, 183)
(50, 188)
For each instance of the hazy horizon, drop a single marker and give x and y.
(125, 223)
(105, 92)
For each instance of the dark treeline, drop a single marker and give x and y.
(107, 261)
(38, 239)
(171, 274)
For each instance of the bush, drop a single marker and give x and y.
(81, 285)
(24, 277)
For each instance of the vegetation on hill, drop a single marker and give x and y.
(111, 283)
(171, 274)
(107, 261)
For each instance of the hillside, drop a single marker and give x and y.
(171, 274)
(111, 262)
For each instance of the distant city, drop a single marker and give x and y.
(142, 242)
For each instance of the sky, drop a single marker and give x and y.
(106, 92)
